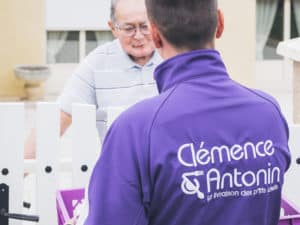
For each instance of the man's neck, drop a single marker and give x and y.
(169, 51)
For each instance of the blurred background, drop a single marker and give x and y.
(60, 33)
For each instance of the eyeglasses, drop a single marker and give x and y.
(130, 30)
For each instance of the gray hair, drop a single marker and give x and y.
(113, 10)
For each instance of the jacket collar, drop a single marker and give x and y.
(188, 65)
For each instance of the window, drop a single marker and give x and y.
(72, 46)
(96, 38)
(276, 34)
(270, 29)
(62, 46)
(295, 19)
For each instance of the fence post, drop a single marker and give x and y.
(47, 147)
(11, 154)
(291, 50)
(85, 142)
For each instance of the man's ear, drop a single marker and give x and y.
(220, 25)
(156, 36)
(112, 28)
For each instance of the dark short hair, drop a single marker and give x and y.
(184, 23)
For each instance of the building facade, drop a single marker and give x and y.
(66, 31)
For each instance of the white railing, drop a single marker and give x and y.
(48, 166)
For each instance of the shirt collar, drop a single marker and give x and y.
(188, 65)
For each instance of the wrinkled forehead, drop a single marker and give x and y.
(131, 11)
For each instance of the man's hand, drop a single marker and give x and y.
(65, 121)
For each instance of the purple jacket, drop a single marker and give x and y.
(206, 151)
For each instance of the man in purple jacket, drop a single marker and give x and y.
(206, 151)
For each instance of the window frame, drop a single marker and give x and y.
(287, 20)
(81, 43)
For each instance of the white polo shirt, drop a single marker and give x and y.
(109, 78)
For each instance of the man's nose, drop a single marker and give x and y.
(138, 34)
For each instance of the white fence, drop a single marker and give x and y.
(49, 166)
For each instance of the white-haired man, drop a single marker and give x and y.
(116, 74)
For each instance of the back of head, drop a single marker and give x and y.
(185, 24)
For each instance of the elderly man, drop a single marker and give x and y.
(116, 74)
(205, 151)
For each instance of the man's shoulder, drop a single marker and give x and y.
(112, 47)
(264, 101)
(265, 97)
(103, 51)
(257, 95)
(143, 114)
(108, 56)
(109, 48)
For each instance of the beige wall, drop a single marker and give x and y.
(237, 44)
(22, 41)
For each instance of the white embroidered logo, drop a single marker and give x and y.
(191, 187)
(234, 182)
